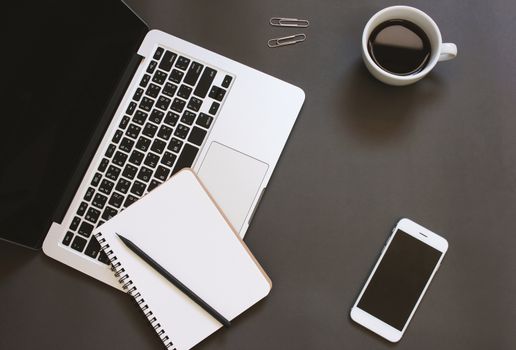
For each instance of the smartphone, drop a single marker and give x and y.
(399, 280)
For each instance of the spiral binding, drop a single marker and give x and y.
(129, 288)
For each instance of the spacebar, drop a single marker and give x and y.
(186, 158)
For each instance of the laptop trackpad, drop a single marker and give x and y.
(234, 179)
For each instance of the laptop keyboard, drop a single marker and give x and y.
(161, 132)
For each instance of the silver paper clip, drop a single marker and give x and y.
(286, 40)
(289, 22)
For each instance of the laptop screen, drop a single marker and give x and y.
(62, 60)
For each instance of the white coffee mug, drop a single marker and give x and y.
(440, 51)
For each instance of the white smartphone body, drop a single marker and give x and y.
(407, 264)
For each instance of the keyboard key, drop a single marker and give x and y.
(138, 188)
(103, 164)
(78, 243)
(133, 131)
(171, 118)
(145, 80)
(182, 62)
(217, 93)
(151, 160)
(143, 143)
(136, 157)
(124, 122)
(186, 158)
(165, 132)
(153, 184)
(85, 229)
(167, 61)
(103, 258)
(92, 215)
(204, 84)
(184, 92)
(176, 76)
(169, 89)
(93, 248)
(129, 172)
(116, 200)
(156, 116)
(67, 238)
(82, 208)
(168, 159)
(188, 117)
(130, 200)
(159, 77)
(161, 173)
(178, 105)
(182, 131)
(131, 108)
(140, 117)
(123, 185)
(138, 94)
(175, 145)
(214, 108)
(75, 223)
(152, 66)
(119, 158)
(146, 104)
(96, 179)
(110, 150)
(100, 223)
(150, 130)
(106, 186)
(113, 172)
(145, 174)
(163, 103)
(99, 201)
(158, 53)
(89, 194)
(195, 104)
(226, 81)
(158, 146)
(117, 136)
(204, 120)
(197, 136)
(153, 90)
(109, 213)
(126, 145)
(193, 73)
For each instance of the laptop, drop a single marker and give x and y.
(99, 110)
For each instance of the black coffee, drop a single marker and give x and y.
(399, 47)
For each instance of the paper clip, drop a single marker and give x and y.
(289, 22)
(286, 40)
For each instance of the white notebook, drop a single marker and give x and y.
(181, 227)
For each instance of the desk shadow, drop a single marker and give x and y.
(379, 112)
(14, 258)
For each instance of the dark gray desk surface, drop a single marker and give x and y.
(361, 155)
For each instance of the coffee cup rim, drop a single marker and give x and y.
(435, 55)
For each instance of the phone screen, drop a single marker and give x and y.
(399, 280)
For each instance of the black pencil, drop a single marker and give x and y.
(174, 281)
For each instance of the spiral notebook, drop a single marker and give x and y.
(181, 227)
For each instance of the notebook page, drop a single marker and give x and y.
(180, 227)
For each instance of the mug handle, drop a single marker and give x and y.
(448, 52)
